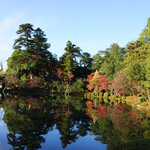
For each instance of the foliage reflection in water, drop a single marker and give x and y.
(30, 121)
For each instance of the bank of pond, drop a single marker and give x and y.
(66, 122)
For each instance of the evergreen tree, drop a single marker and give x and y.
(31, 55)
(72, 52)
(112, 61)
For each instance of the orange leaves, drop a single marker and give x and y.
(97, 80)
(92, 111)
(59, 73)
(102, 111)
(133, 113)
(90, 103)
(70, 75)
(65, 77)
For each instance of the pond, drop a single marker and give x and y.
(70, 123)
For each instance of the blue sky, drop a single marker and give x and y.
(92, 25)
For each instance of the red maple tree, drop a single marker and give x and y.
(97, 80)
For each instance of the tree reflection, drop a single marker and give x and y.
(118, 126)
(28, 119)
(26, 126)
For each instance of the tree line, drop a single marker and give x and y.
(120, 70)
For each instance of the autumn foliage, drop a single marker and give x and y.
(64, 77)
(97, 80)
(120, 115)
(35, 82)
(119, 85)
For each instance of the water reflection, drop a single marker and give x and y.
(121, 127)
(30, 119)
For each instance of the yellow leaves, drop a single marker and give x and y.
(144, 108)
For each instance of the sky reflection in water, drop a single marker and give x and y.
(70, 123)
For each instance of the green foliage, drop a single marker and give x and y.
(12, 78)
(148, 69)
(86, 60)
(100, 96)
(69, 57)
(135, 72)
(146, 134)
(105, 97)
(78, 86)
(92, 96)
(114, 98)
(141, 99)
(31, 55)
(145, 35)
(145, 108)
(89, 95)
(145, 124)
(98, 60)
(112, 60)
(23, 81)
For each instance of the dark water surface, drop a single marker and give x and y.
(55, 123)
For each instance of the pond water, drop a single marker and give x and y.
(56, 123)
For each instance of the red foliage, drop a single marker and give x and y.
(133, 114)
(65, 77)
(70, 75)
(102, 111)
(87, 112)
(103, 82)
(100, 81)
(90, 77)
(60, 73)
(28, 79)
(56, 82)
(90, 103)
(35, 82)
(68, 113)
(57, 114)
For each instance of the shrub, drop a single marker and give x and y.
(114, 98)
(105, 97)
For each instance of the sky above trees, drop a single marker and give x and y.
(91, 25)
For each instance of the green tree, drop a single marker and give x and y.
(145, 35)
(86, 60)
(72, 52)
(22, 58)
(98, 60)
(44, 58)
(31, 55)
(113, 58)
